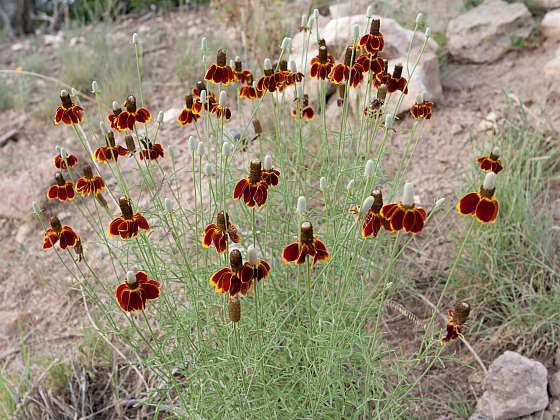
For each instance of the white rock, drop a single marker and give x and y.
(53, 40)
(171, 115)
(554, 384)
(484, 34)
(552, 68)
(515, 386)
(547, 4)
(550, 25)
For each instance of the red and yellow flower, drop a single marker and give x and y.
(63, 235)
(374, 219)
(135, 291)
(220, 72)
(68, 113)
(211, 100)
(307, 245)
(422, 110)
(284, 77)
(270, 175)
(492, 162)
(109, 152)
(89, 184)
(397, 81)
(62, 190)
(302, 108)
(250, 91)
(322, 64)
(373, 63)
(482, 205)
(113, 117)
(127, 224)
(253, 189)
(151, 151)
(189, 115)
(374, 110)
(372, 42)
(405, 215)
(128, 118)
(242, 76)
(217, 234)
(260, 268)
(235, 278)
(456, 319)
(69, 161)
(350, 69)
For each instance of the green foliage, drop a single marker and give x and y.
(6, 98)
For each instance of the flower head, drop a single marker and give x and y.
(64, 160)
(65, 236)
(135, 291)
(151, 151)
(189, 114)
(351, 70)
(302, 108)
(482, 205)
(456, 319)
(220, 72)
(250, 91)
(242, 76)
(234, 279)
(308, 244)
(492, 162)
(372, 42)
(269, 80)
(131, 115)
(109, 152)
(253, 189)
(113, 117)
(62, 189)
(422, 110)
(217, 234)
(89, 184)
(260, 268)
(322, 64)
(127, 224)
(405, 215)
(374, 219)
(68, 112)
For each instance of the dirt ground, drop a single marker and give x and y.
(38, 303)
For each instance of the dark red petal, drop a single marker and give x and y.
(467, 204)
(240, 188)
(486, 210)
(397, 219)
(151, 289)
(291, 252)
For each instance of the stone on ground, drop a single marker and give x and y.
(550, 25)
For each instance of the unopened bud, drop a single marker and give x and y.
(171, 150)
(160, 117)
(192, 144)
(311, 21)
(389, 120)
(316, 13)
(301, 205)
(286, 43)
(223, 98)
(350, 185)
(428, 32)
(204, 44)
(299, 91)
(368, 170)
(439, 203)
(489, 181)
(303, 20)
(267, 164)
(293, 66)
(208, 169)
(203, 98)
(356, 30)
(227, 148)
(116, 106)
(168, 204)
(135, 38)
(36, 208)
(323, 183)
(419, 18)
(201, 149)
(408, 194)
(369, 12)
(267, 64)
(366, 206)
(252, 255)
(74, 92)
(94, 87)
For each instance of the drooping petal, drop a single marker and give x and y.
(409, 220)
(291, 252)
(151, 289)
(240, 188)
(396, 219)
(486, 210)
(208, 234)
(114, 226)
(467, 204)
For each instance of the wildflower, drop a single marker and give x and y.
(231, 279)
(373, 42)
(220, 72)
(241, 76)
(397, 81)
(491, 162)
(456, 322)
(404, 215)
(113, 118)
(250, 91)
(188, 115)
(132, 115)
(89, 184)
(64, 162)
(109, 152)
(422, 109)
(374, 219)
(217, 234)
(373, 63)
(221, 110)
(65, 236)
(269, 175)
(268, 81)
(260, 268)
(284, 77)
(308, 244)
(69, 113)
(127, 224)
(301, 206)
(135, 291)
(302, 108)
(482, 205)
(322, 64)
(203, 99)
(349, 69)
(253, 189)
(151, 151)
(62, 190)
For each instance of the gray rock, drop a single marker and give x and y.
(485, 33)
(550, 25)
(554, 384)
(554, 408)
(515, 387)
(547, 4)
(552, 68)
